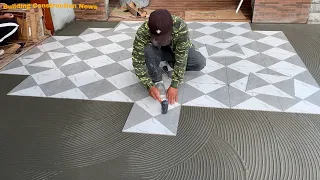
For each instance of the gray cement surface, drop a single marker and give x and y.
(43, 138)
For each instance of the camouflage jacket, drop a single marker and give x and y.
(180, 46)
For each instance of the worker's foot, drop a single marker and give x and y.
(1, 52)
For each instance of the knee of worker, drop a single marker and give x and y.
(201, 63)
(149, 49)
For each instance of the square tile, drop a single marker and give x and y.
(153, 107)
(99, 61)
(123, 80)
(71, 41)
(245, 67)
(85, 77)
(127, 63)
(91, 37)
(119, 37)
(75, 68)
(88, 54)
(97, 88)
(47, 76)
(135, 92)
(79, 47)
(287, 68)
(111, 70)
(57, 86)
(100, 42)
(279, 53)
(272, 41)
(110, 48)
(74, 93)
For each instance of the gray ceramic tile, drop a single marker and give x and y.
(233, 75)
(14, 64)
(71, 41)
(252, 46)
(245, 26)
(48, 40)
(220, 60)
(190, 93)
(231, 60)
(224, 26)
(132, 35)
(263, 47)
(263, 71)
(135, 92)
(195, 25)
(271, 100)
(220, 74)
(61, 50)
(236, 48)
(212, 49)
(189, 75)
(87, 31)
(268, 60)
(75, 68)
(44, 57)
(280, 35)
(314, 98)
(227, 35)
(27, 83)
(197, 44)
(109, 32)
(88, 54)
(97, 88)
(255, 82)
(287, 46)
(110, 70)
(257, 59)
(120, 55)
(35, 69)
(100, 42)
(60, 61)
(126, 44)
(34, 50)
(50, 88)
(253, 35)
(221, 95)
(196, 34)
(218, 34)
(286, 86)
(306, 77)
(237, 96)
(171, 119)
(286, 103)
(137, 115)
(296, 60)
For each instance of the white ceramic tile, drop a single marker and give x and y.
(223, 45)
(151, 126)
(56, 55)
(205, 87)
(208, 23)
(203, 51)
(119, 38)
(28, 59)
(79, 47)
(115, 96)
(85, 77)
(287, 69)
(48, 76)
(18, 71)
(205, 101)
(208, 30)
(48, 64)
(303, 90)
(71, 94)
(123, 80)
(34, 91)
(247, 53)
(207, 40)
(237, 30)
(225, 53)
(279, 53)
(272, 78)
(240, 40)
(255, 104)
(110, 48)
(235, 23)
(272, 41)
(246, 67)
(206, 79)
(121, 26)
(136, 27)
(61, 38)
(100, 29)
(304, 107)
(127, 63)
(50, 46)
(211, 66)
(130, 49)
(99, 61)
(241, 85)
(91, 37)
(152, 106)
(270, 90)
(268, 33)
(72, 60)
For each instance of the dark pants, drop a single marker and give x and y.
(8, 28)
(154, 55)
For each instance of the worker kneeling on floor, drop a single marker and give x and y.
(162, 44)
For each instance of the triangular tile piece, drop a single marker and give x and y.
(257, 60)
(115, 96)
(307, 78)
(263, 47)
(25, 84)
(196, 34)
(272, 72)
(220, 74)
(220, 60)
(255, 81)
(234, 75)
(205, 101)
(296, 60)
(271, 100)
(231, 60)
(287, 46)
(268, 60)
(171, 119)
(43, 57)
(255, 104)
(270, 90)
(236, 48)
(60, 61)
(137, 115)
(212, 49)
(286, 86)
(253, 46)
(72, 60)
(280, 35)
(17, 71)
(221, 95)
(87, 31)
(190, 93)
(237, 96)
(272, 78)
(28, 59)
(71, 94)
(14, 64)
(62, 50)
(304, 107)
(46, 64)
(121, 26)
(151, 126)
(263, 71)
(56, 55)
(60, 38)
(32, 91)
(304, 90)
(286, 103)
(35, 69)
(314, 98)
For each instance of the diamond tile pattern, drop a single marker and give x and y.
(253, 70)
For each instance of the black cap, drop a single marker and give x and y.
(161, 25)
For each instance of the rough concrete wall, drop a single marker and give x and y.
(314, 16)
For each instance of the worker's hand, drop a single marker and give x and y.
(8, 16)
(155, 93)
(172, 95)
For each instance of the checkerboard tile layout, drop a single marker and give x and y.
(252, 70)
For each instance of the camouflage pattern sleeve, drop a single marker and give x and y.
(183, 44)
(138, 61)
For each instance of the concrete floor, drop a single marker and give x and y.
(43, 138)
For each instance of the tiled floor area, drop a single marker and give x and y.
(251, 70)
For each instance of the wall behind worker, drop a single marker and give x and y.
(61, 16)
